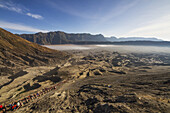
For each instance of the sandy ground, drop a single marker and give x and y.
(131, 75)
(11, 90)
(108, 94)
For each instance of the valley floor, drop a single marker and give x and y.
(106, 94)
(98, 81)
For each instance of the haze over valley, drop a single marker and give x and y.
(91, 56)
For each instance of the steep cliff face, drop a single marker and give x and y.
(16, 52)
(60, 37)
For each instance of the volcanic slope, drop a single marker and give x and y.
(107, 94)
(16, 52)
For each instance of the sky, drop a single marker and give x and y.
(120, 18)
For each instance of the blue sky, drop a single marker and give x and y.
(120, 18)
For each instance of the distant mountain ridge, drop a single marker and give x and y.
(16, 53)
(59, 37)
(114, 39)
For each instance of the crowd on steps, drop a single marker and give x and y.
(22, 102)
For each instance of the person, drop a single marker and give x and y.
(41, 92)
(31, 96)
(23, 101)
(109, 86)
(4, 109)
(37, 94)
(14, 106)
(18, 104)
(1, 106)
(44, 91)
(26, 99)
(9, 107)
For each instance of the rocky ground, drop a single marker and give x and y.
(99, 81)
(108, 94)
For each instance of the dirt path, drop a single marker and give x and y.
(129, 93)
(11, 90)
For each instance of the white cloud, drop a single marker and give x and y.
(20, 27)
(155, 28)
(19, 9)
(11, 7)
(36, 16)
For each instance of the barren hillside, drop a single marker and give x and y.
(16, 52)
